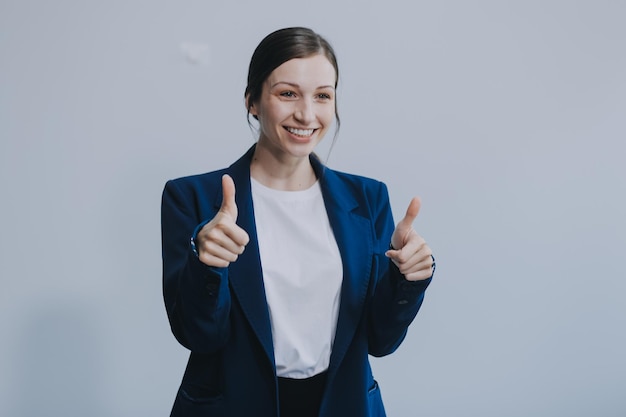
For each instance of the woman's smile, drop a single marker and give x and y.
(304, 133)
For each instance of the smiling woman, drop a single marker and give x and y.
(295, 111)
(277, 271)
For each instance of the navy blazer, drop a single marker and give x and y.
(221, 314)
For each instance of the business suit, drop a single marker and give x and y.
(221, 314)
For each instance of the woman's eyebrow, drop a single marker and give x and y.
(295, 85)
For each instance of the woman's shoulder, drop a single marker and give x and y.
(204, 181)
(355, 180)
(360, 190)
(214, 178)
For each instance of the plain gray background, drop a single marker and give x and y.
(508, 118)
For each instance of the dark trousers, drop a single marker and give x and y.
(301, 397)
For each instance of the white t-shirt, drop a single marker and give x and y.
(302, 273)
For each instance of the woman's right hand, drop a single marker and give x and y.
(221, 240)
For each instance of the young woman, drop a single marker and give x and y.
(281, 275)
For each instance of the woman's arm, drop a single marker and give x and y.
(395, 300)
(197, 298)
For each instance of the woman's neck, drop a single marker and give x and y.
(287, 174)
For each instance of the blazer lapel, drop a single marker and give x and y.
(353, 233)
(245, 275)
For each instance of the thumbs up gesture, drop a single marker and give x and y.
(410, 252)
(221, 241)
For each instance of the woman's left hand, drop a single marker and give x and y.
(410, 252)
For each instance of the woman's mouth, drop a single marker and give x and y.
(303, 133)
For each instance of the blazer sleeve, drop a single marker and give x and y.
(196, 296)
(395, 300)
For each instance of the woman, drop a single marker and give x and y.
(280, 275)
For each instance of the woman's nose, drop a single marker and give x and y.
(304, 112)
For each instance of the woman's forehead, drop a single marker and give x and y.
(315, 70)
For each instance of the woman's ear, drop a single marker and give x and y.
(251, 107)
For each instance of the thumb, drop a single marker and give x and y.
(229, 206)
(411, 213)
(404, 227)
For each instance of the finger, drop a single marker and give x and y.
(411, 243)
(406, 263)
(220, 252)
(211, 260)
(404, 228)
(229, 206)
(237, 236)
(425, 265)
(415, 255)
(420, 252)
(418, 276)
(411, 212)
(226, 233)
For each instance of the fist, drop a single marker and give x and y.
(221, 240)
(410, 252)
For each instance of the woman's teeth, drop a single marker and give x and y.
(300, 132)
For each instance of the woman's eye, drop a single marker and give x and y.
(288, 94)
(324, 96)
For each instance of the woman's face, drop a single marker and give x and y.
(296, 107)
